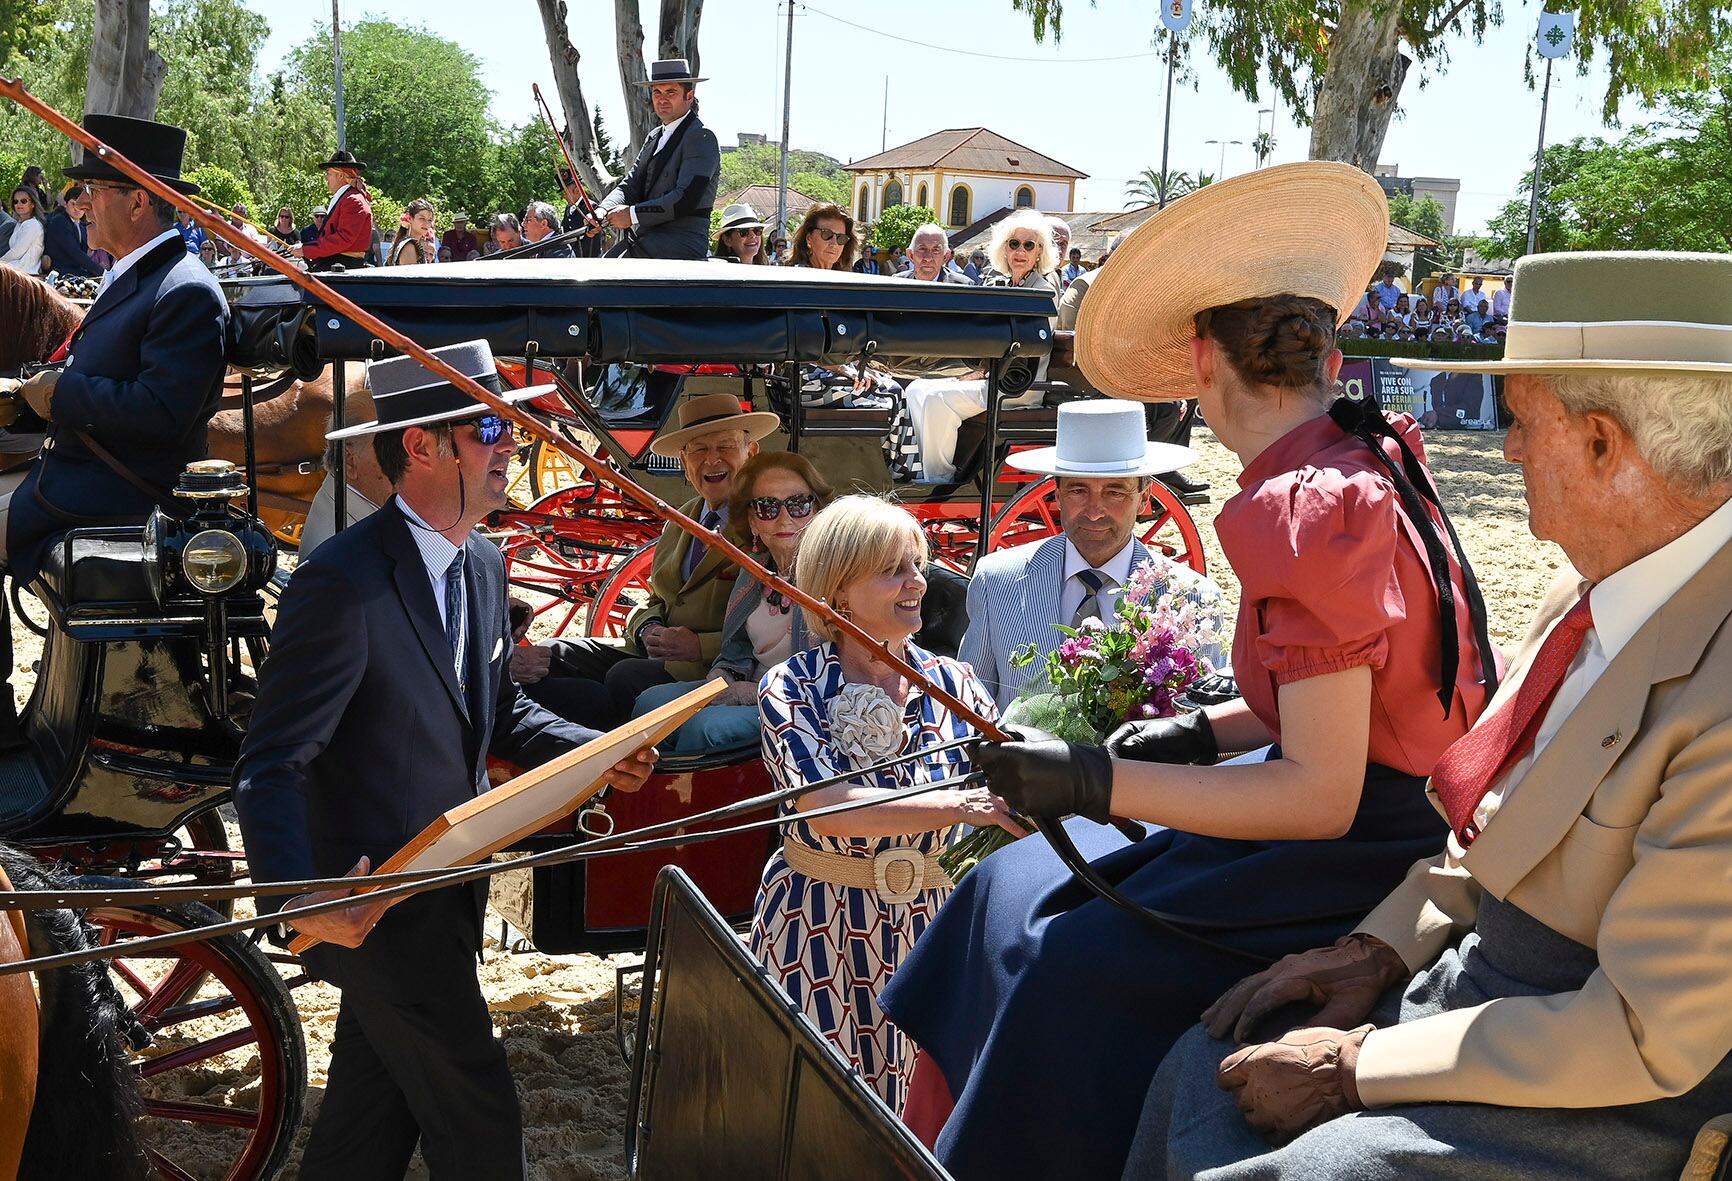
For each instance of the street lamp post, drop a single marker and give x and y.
(1221, 168)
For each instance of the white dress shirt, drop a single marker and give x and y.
(1500, 302)
(667, 134)
(1621, 604)
(437, 551)
(1071, 591)
(123, 265)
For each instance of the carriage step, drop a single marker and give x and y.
(22, 786)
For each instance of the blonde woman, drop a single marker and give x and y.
(1022, 251)
(835, 709)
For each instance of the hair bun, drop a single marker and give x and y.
(1280, 340)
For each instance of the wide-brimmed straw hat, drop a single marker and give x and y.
(712, 412)
(1315, 229)
(740, 217)
(1102, 440)
(1577, 312)
(406, 394)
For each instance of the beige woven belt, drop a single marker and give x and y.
(895, 875)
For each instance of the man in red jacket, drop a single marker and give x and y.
(347, 234)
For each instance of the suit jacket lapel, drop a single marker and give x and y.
(1041, 593)
(419, 605)
(659, 161)
(124, 287)
(1561, 781)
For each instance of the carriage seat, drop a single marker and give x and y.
(944, 611)
(102, 570)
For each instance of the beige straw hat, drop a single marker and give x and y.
(1317, 229)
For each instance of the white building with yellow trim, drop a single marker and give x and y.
(965, 173)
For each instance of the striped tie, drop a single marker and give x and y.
(455, 603)
(1090, 608)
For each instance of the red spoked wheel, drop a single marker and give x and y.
(562, 549)
(1162, 524)
(624, 591)
(224, 1070)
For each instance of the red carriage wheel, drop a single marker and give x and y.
(1163, 524)
(224, 1068)
(625, 590)
(560, 550)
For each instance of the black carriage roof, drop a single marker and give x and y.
(652, 311)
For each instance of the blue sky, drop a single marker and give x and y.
(1473, 118)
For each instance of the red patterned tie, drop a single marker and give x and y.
(1483, 755)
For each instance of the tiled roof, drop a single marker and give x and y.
(967, 149)
(762, 199)
(1089, 232)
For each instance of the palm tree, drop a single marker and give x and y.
(1263, 146)
(1145, 189)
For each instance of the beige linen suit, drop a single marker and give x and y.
(1619, 837)
(698, 602)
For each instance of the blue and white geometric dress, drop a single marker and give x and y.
(833, 948)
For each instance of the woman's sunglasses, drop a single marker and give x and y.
(1031, 244)
(768, 508)
(830, 235)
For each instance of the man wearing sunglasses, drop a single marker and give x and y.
(387, 687)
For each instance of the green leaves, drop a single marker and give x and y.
(896, 225)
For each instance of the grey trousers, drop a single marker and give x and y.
(1192, 1129)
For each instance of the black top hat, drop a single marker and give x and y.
(158, 148)
(343, 158)
(405, 394)
(672, 69)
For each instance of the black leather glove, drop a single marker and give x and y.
(1187, 738)
(1047, 778)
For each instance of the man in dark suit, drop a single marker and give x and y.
(666, 198)
(66, 240)
(573, 217)
(387, 686)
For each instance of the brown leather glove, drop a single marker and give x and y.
(1306, 1078)
(38, 391)
(1344, 980)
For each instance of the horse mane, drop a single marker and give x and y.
(37, 319)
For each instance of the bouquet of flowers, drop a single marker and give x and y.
(1167, 631)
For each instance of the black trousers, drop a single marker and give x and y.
(1170, 422)
(414, 1059)
(623, 674)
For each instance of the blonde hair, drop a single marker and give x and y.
(1681, 422)
(855, 537)
(1027, 220)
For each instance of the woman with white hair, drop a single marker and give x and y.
(835, 709)
(1022, 252)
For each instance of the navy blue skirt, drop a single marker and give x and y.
(1048, 1009)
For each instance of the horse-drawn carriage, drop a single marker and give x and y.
(154, 633)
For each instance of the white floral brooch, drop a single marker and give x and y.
(865, 724)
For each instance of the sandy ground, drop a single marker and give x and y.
(555, 1013)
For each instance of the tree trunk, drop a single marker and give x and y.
(579, 127)
(628, 46)
(1360, 85)
(679, 30)
(126, 74)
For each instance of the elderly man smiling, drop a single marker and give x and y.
(1552, 995)
(676, 633)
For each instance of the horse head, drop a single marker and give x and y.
(35, 319)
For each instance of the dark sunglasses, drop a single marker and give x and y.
(830, 235)
(1031, 244)
(22, 201)
(768, 508)
(489, 428)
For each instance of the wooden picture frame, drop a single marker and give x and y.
(493, 820)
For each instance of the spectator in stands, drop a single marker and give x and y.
(539, 224)
(66, 238)
(1421, 315)
(1452, 314)
(190, 231)
(459, 242)
(776, 494)
(1475, 292)
(740, 237)
(285, 228)
(1401, 315)
(868, 263)
(241, 221)
(929, 249)
(413, 242)
(505, 232)
(36, 183)
(1387, 291)
(898, 261)
(1479, 311)
(1445, 291)
(825, 239)
(1500, 300)
(1068, 273)
(972, 268)
(207, 254)
(779, 252)
(24, 249)
(311, 231)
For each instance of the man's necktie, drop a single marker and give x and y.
(455, 605)
(1090, 608)
(1482, 756)
(710, 520)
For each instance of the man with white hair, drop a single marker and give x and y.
(929, 250)
(540, 223)
(1551, 995)
(1061, 251)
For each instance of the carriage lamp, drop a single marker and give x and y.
(215, 551)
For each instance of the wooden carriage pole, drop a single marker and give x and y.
(15, 90)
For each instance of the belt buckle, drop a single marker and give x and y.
(884, 864)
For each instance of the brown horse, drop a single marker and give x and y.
(288, 428)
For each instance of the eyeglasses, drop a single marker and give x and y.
(1031, 244)
(830, 235)
(768, 508)
(94, 185)
(490, 427)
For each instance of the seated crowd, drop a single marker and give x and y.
(1444, 314)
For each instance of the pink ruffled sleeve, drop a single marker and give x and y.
(1324, 582)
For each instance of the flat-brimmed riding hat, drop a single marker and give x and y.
(670, 69)
(158, 148)
(1578, 312)
(1315, 229)
(1101, 440)
(712, 412)
(740, 217)
(405, 394)
(343, 158)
